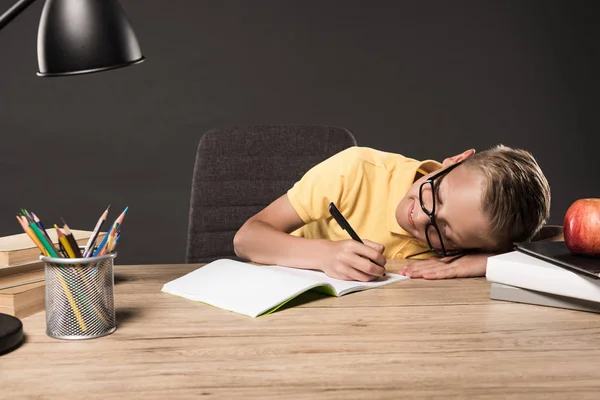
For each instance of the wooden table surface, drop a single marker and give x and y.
(413, 339)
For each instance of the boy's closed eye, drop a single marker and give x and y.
(444, 224)
(438, 198)
(448, 235)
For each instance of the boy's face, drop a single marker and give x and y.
(458, 212)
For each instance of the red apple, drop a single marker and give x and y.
(582, 227)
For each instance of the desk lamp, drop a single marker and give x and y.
(81, 36)
(74, 37)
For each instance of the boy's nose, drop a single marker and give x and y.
(420, 218)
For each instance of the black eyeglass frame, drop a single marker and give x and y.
(431, 215)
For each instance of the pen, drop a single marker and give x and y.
(337, 215)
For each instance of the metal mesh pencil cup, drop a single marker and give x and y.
(80, 297)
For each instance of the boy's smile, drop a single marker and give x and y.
(458, 213)
(411, 209)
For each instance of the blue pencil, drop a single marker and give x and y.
(102, 243)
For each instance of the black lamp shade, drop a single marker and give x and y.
(84, 36)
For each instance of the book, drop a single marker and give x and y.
(13, 280)
(22, 294)
(524, 271)
(37, 265)
(557, 253)
(22, 284)
(22, 289)
(255, 290)
(20, 249)
(515, 294)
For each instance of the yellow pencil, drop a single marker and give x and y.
(69, 249)
(65, 243)
(72, 302)
(51, 253)
(31, 234)
(70, 252)
(71, 239)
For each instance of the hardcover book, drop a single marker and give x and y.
(524, 271)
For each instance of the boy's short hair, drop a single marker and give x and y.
(516, 196)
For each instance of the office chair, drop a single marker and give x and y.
(241, 169)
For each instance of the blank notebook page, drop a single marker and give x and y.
(252, 290)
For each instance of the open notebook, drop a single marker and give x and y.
(255, 290)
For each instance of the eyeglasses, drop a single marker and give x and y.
(427, 200)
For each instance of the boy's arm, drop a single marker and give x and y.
(265, 239)
(470, 265)
(466, 266)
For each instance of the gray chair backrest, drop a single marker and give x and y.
(240, 170)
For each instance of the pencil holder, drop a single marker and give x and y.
(80, 297)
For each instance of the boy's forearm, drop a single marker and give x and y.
(260, 242)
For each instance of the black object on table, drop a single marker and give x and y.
(11, 333)
(558, 254)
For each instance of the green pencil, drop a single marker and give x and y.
(47, 245)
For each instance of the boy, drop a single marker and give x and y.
(462, 211)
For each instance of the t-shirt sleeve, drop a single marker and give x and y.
(324, 183)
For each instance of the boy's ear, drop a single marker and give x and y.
(459, 157)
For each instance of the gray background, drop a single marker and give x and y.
(427, 79)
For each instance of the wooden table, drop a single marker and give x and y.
(414, 339)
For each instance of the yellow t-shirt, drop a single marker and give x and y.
(366, 185)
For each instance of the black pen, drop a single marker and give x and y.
(337, 215)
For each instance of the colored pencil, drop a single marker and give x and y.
(112, 236)
(72, 303)
(41, 235)
(122, 216)
(62, 249)
(31, 234)
(119, 220)
(71, 253)
(27, 214)
(92, 241)
(101, 245)
(39, 223)
(64, 242)
(114, 245)
(52, 253)
(107, 245)
(71, 239)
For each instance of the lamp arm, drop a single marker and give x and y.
(12, 12)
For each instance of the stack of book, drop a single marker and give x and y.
(546, 274)
(22, 273)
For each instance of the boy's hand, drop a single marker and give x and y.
(353, 261)
(465, 266)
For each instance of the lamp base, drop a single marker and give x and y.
(11, 333)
